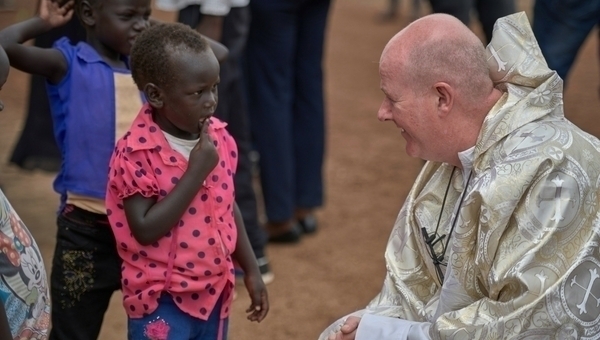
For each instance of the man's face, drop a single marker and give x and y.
(412, 111)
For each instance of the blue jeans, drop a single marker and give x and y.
(561, 27)
(181, 326)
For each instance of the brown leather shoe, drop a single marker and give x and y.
(284, 232)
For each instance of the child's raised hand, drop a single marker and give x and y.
(56, 12)
(258, 295)
(204, 156)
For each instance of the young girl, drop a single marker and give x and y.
(93, 102)
(170, 197)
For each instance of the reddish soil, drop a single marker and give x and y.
(367, 171)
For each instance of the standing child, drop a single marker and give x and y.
(93, 101)
(170, 197)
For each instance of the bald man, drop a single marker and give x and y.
(499, 237)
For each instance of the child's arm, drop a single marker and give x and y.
(220, 51)
(244, 256)
(148, 219)
(47, 62)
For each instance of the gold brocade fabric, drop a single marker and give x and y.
(524, 259)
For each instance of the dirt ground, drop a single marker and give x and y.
(367, 178)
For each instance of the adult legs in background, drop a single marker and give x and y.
(309, 110)
(285, 96)
(391, 10)
(460, 9)
(561, 27)
(489, 11)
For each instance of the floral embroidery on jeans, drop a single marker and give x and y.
(78, 269)
(157, 330)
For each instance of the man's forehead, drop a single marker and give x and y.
(389, 63)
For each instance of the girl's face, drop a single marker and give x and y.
(118, 22)
(191, 97)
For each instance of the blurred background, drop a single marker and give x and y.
(366, 173)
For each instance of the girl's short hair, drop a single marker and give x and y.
(151, 51)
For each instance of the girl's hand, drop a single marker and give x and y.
(204, 156)
(56, 13)
(258, 295)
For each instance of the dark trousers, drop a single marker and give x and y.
(488, 11)
(561, 28)
(86, 270)
(285, 98)
(232, 109)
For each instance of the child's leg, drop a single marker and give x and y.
(214, 328)
(168, 322)
(85, 273)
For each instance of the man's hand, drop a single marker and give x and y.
(56, 13)
(348, 329)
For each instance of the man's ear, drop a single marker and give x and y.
(87, 14)
(154, 95)
(445, 97)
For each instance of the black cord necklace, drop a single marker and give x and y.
(432, 240)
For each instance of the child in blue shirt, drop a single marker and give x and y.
(93, 102)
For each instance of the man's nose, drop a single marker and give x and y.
(384, 112)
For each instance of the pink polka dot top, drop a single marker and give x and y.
(192, 262)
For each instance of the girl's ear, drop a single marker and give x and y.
(154, 95)
(86, 13)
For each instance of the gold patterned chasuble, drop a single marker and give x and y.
(524, 257)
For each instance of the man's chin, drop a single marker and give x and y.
(411, 151)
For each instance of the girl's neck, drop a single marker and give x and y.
(110, 56)
(165, 125)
